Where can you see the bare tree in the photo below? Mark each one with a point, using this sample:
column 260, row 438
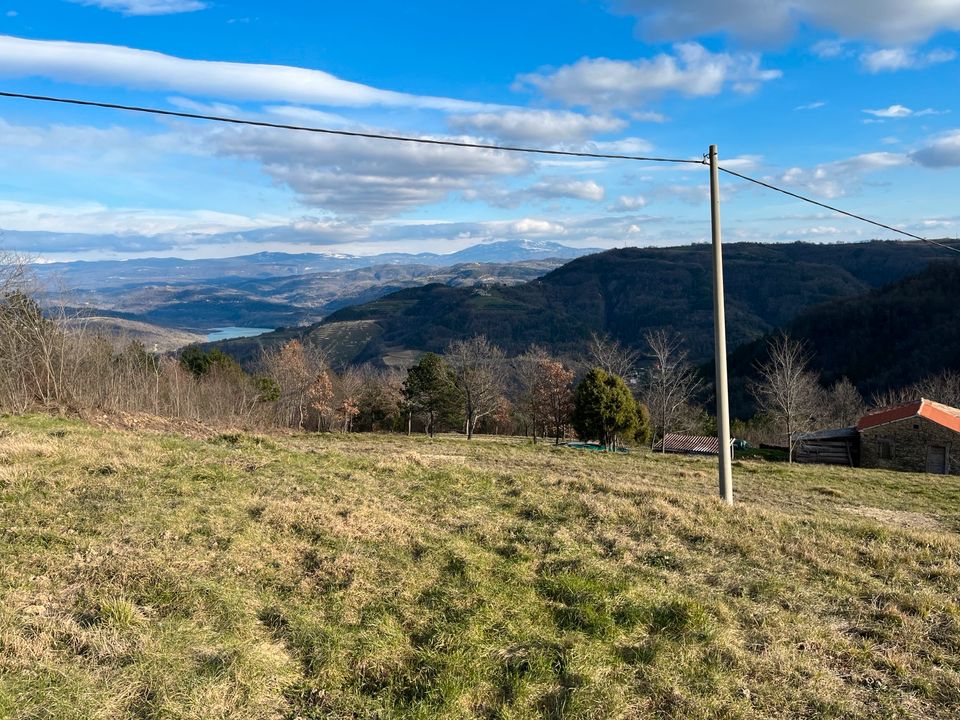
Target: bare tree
column 553, row 394
column 892, row 396
column 944, row 387
column 294, row 373
column 478, row 377
column 612, row 357
column 320, row 393
column 787, row 390
column 843, row 405
column 381, row 397
column 527, row 372
column 349, row 388
column 670, row 382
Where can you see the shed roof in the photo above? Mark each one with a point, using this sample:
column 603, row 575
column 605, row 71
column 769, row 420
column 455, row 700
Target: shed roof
column 847, row 433
column 936, row 412
column 674, row 442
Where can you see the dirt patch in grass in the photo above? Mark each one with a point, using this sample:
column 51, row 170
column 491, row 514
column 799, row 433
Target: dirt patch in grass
column 151, row 423
column 898, row 518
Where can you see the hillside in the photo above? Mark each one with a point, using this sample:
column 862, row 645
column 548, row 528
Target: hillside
column 288, row 299
column 628, row 291
column 155, row 338
column 885, row 338
column 158, row 575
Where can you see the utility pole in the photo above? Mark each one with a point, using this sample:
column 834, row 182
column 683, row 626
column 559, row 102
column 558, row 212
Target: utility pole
column 720, row 337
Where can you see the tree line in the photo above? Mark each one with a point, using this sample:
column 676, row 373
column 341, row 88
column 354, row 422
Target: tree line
column 50, row 361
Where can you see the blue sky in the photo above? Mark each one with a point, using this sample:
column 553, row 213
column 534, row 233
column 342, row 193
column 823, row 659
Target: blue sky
column 851, row 102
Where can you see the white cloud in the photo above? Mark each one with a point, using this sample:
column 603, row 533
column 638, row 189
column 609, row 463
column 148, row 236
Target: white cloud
column 648, row 116
column 551, row 187
column 692, row 71
column 532, row 226
column 816, row 105
column 558, row 187
column 901, row 111
column 92, row 64
column 91, row 150
column 202, row 108
column 623, row 146
column 357, row 176
column 629, row 203
column 540, row 126
column 837, row 178
column 742, row 162
column 830, row 49
column 814, row 231
column 98, row 219
column 900, row 58
column 887, row 21
column 294, row 113
column 943, row 151
column 146, row 7
column 693, row 194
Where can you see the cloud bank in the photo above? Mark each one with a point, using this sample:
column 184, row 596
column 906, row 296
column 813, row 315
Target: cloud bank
column 94, row 64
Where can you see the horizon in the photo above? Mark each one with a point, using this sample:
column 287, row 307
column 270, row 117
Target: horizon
column 43, row 261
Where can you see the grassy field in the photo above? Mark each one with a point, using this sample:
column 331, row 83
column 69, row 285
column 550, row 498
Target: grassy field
column 148, row 575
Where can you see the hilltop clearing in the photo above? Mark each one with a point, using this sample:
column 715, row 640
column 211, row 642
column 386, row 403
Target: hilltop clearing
column 314, row 576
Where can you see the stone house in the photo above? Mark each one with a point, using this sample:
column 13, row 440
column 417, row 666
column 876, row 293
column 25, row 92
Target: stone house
column 919, row 436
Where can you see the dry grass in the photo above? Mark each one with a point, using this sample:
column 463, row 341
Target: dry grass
column 148, row 575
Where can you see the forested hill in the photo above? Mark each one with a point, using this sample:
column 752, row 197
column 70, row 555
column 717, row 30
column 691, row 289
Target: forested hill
column 885, row 338
column 627, row 291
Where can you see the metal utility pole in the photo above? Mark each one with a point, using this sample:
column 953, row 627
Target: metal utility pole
column 720, row 336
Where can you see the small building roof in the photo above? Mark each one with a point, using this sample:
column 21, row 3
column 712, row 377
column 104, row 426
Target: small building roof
column 673, row 442
column 936, row 412
column 847, row 433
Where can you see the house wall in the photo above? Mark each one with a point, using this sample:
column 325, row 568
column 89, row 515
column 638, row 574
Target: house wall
column 909, row 440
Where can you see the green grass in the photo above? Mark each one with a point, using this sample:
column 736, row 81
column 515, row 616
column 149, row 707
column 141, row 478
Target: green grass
column 157, row 576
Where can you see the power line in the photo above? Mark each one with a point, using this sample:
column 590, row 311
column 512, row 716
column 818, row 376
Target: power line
column 838, row 210
column 458, row 144
column 345, row 133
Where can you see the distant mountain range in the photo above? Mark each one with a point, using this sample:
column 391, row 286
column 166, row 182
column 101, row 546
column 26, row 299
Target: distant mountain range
column 99, row 274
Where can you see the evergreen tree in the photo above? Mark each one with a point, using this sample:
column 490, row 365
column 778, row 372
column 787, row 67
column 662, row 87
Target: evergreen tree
column 604, row 408
column 200, row 362
column 429, row 389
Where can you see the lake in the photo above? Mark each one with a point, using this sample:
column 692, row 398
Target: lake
column 228, row 333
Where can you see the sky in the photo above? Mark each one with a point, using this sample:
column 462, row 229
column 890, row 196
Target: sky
column 855, row 103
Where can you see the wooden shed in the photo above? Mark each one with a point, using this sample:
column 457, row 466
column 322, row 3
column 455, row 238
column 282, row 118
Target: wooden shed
column 840, row 446
column 919, row 436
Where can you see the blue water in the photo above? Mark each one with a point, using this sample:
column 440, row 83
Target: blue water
column 228, row 333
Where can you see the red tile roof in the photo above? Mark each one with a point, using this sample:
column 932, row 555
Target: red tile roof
column 936, row 412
